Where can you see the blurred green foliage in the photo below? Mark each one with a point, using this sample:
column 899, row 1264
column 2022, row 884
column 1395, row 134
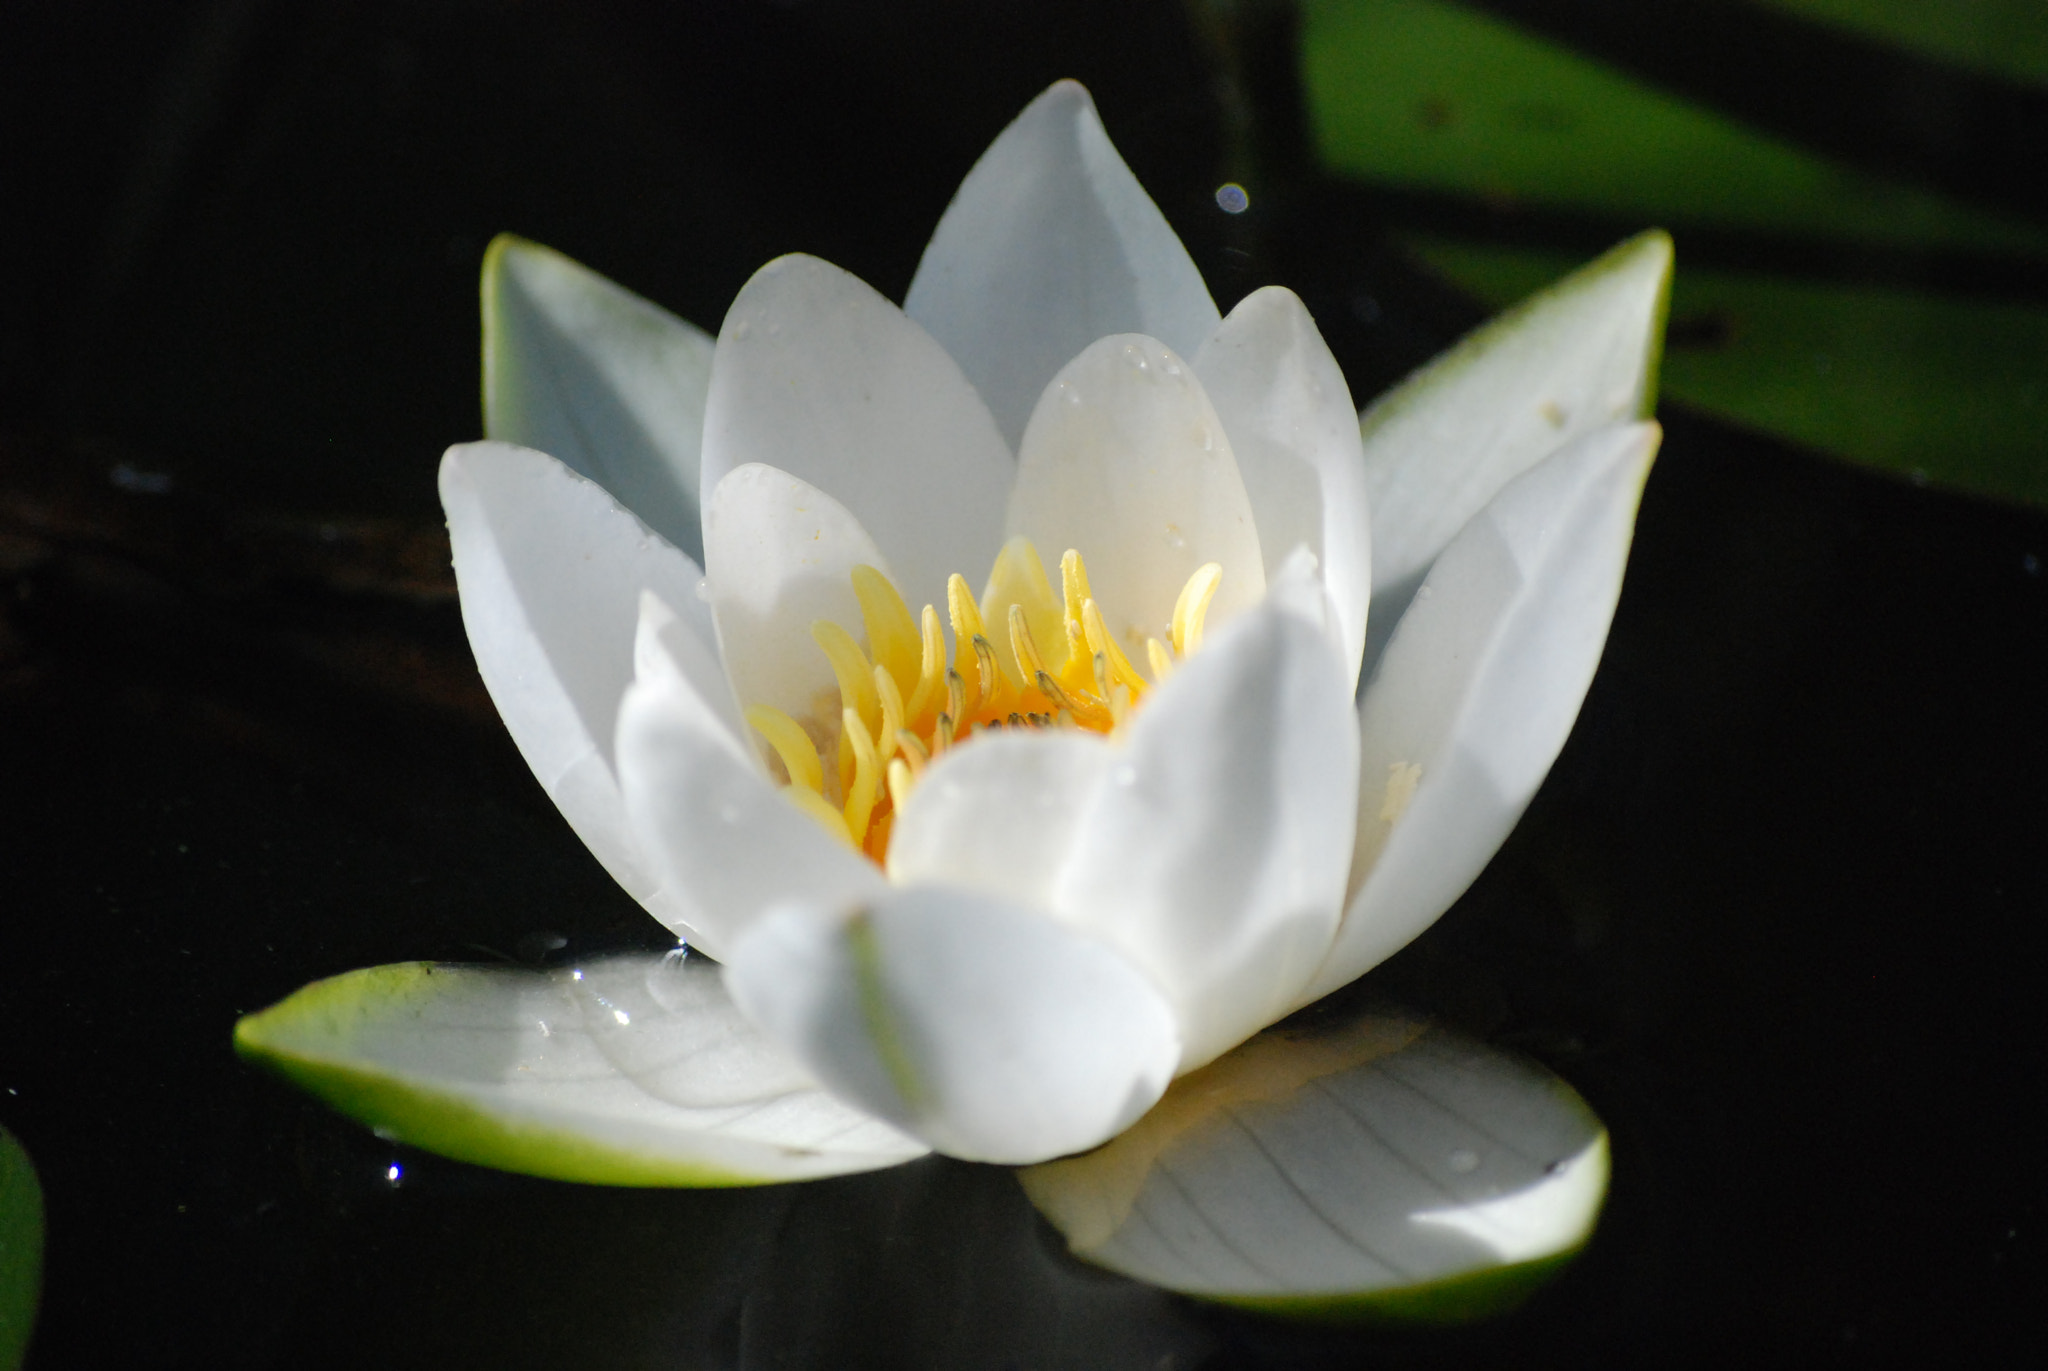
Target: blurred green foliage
column 2009, row 37
column 21, row 1249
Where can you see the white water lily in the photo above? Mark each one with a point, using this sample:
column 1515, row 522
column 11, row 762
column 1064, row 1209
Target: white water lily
column 987, row 878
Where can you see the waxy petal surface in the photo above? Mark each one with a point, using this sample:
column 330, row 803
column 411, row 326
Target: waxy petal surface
column 1479, row 687
column 1294, row 434
column 1569, row 360
column 590, row 373
column 1126, row 460
column 819, row 376
column 634, row 1071
column 1375, row 1166
column 990, row 1031
column 1049, row 244
column 1215, row 849
column 716, row 830
column 550, row 568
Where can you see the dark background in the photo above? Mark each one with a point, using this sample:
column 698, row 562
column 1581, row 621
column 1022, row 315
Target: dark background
column 1774, row 913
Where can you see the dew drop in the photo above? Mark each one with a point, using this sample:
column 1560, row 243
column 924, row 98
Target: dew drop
column 704, row 589
column 1135, row 356
column 1464, row 1159
column 1175, row 539
column 742, row 329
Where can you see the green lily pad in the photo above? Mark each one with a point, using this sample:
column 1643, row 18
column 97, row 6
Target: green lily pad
column 1372, row 1170
column 1926, row 386
column 21, row 1249
column 2006, row 37
column 631, row 1071
column 1429, row 95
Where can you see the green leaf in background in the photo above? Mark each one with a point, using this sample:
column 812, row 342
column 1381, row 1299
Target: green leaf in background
column 1429, row 95
column 21, row 1249
column 2006, row 37
column 1375, row 1170
column 1928, row 386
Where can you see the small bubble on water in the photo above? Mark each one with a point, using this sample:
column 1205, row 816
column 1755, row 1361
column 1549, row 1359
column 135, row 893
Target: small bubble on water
column 1464, row 1159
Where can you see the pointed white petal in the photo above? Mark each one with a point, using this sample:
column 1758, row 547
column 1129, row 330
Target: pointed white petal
column 638, row 1073
column 1479, row 687
column 1289, row 415
column 717, row 832
column 1126, row 461
column 1355, row 1170
column 992, row 1032
column 612, row 385
column 1578, row 356
column 820, row 377
column 1215, row 850
column 999, row 816
column 550, row 568
column 1049, row 244
column 781, row 555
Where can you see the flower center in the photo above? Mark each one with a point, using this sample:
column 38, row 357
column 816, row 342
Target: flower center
column 1050, row 663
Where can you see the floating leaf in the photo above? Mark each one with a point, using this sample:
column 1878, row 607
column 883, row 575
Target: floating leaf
column 1433, row 96
column 21, row 1249
column 1379, row 1169
column 632, row 1071
column 1927, row 386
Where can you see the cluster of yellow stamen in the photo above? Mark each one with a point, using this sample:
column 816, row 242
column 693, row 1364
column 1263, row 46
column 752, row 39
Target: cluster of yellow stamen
column 901, row 703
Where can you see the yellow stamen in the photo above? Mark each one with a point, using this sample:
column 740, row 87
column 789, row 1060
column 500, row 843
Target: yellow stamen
column 967, row 627
column 1017, row 581
column 892, row 633
column 850, row 666
column 1120, row 668
column 990, row 674
column 900, row 781
column 867, row 775
column 1160, row 658
column 914, row 751
column 943, row 735
column 892, row 713
column 794, row 746
column 1089, row 713
column 931, row 678
column 955, row 713
column 820, row 808
column 1192, row 606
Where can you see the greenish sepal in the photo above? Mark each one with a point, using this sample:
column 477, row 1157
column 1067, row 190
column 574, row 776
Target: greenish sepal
column 1455, row 1300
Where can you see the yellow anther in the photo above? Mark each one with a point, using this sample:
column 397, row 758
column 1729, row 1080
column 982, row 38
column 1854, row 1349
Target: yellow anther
column 1074, row 585
column 1119, row 704
column 892, row 713
column 900, row 781
column 967, row 627
column 1120, row 668
column 850, row 665
column 1192, row 606
column 867, row 776
column 942, row 734
column 931, row 677
column 1018, row 579
column 821, row 809
column 956, row 703
column 892, row 633
column 799, row 755
column 1090, row 713
column 1029, row 663
column 1160, row 658
column 914, row 750
column 990, row 674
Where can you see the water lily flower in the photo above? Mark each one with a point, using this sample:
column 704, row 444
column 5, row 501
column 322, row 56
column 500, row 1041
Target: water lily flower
column 976, row 684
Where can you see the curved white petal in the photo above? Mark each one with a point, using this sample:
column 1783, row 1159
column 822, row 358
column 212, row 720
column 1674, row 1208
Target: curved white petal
column 1571, row 359
column 633, row 1071
column 607, row 382
column 820, row 377
column 1049, row 244
column 999, row 816
column 717, row 832
column 1215, row 850
column 1294, row 433
column 1126, row 461
column 1479, row 687
column 1347, row 1167
column 781, row 553
column 991, row 1032
column 550, row 568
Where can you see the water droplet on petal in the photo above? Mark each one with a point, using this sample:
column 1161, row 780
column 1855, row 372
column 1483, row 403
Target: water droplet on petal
column 742, row 329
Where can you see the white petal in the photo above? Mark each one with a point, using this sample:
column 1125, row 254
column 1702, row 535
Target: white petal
column 1343, row 1168
column 550, row 568
column 1126, row 461
column 992, row 1032
column 819, row 376
column 636, row 1071
column 1479, row 687
column 781, row 553
column 1576, row 357
column 612, row 385
column 999, row 815
column 1289, row 415
column 1049, row 244
column 717, row 832
column 1215, row 850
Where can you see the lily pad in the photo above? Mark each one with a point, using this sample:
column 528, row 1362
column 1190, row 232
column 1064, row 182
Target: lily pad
column 631, row 1071
column 1376, row 1169
column 1927, row 386
column 21, row 1249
